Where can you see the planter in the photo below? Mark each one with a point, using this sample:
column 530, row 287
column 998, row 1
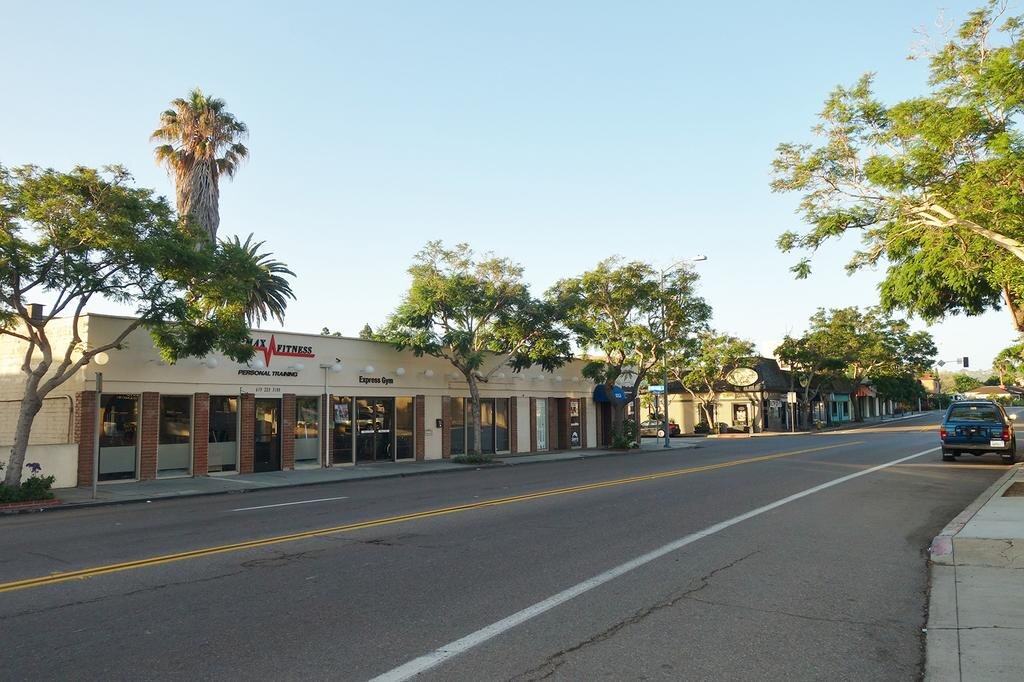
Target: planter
column 8, row 507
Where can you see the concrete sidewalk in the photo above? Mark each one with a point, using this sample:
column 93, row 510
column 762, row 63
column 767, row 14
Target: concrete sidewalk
column 976, row 605
column 141, row 491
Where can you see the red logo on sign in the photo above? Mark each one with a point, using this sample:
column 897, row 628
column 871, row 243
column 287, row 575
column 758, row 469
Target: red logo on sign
column 271, row 349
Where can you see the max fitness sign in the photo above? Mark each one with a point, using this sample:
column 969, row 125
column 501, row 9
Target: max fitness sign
column 268, row 350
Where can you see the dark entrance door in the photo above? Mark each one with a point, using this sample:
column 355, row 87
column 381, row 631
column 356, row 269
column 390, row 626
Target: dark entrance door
column 266, row 453
column 375, row 438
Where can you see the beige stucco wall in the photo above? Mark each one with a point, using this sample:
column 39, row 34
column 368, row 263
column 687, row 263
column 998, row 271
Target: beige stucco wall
column 432, row 434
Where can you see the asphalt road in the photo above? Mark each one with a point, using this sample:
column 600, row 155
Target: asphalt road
column 830, row 584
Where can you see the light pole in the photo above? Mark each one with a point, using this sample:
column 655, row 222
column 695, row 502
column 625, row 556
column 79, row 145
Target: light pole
column 664, row 334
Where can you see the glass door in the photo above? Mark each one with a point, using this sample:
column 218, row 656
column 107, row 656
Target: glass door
column 375, row 436
column 266, row 455
column 341, row 419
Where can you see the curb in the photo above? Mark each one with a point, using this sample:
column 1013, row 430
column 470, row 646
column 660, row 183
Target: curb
column 941, row 549
column 458, row 468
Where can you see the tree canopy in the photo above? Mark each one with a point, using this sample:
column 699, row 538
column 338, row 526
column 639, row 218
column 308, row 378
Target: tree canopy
column 630, row 316
column 932, row 183
column 477, row 313
column 77, row 237
column 703, row 371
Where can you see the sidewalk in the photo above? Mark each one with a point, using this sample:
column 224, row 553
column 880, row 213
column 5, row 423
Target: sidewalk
column 976, row 604
column 142, row 491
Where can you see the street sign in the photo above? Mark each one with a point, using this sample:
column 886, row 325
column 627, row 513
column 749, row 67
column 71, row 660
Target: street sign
column 657, row 388
column 791, row 397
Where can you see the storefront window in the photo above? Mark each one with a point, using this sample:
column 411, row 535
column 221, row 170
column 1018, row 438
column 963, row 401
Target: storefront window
column 174, row 451
column 458, row 426
column 542, row 423
column 501, row 424
column 223, row 452
column 119, row 416
column 404, row 427
column 307, row 430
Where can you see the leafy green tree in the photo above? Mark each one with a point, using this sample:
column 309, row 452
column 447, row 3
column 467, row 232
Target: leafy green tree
column 702, row 372
column 631, row 317
column 366, row 333
column 202, row 142
column 78, row 237
column 993, row 380
column 812, row 359
column 327, row 332
column 904, row 389
column 932, row 183
column 1009, row 364
column 965, row 382
column 873, row 344
column 476, row 313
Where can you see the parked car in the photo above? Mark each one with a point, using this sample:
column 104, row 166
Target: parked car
column 977, row 427
column 656, row 427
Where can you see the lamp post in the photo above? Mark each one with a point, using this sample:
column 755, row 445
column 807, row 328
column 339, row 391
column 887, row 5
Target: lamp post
column 664, row 333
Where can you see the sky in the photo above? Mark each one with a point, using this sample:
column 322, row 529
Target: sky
column 553, row 133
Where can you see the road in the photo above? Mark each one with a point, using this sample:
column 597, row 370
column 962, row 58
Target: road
column 761, row 558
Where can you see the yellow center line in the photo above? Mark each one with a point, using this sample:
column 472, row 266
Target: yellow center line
column 84, row 573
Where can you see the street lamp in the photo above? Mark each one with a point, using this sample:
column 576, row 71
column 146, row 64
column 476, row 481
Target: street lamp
column 664, row 330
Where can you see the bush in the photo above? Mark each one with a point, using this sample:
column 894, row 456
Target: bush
column 35, row 487
column 473, row 459
column 626, row 438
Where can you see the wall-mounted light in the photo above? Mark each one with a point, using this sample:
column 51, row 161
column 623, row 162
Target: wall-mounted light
column 428, row 373
column 209, row 363
column 558, row 379
column 297, row 367
column 101, row 358
column 576, row 380
column 400, row 371
column 335, row 368
column 501, row 375
column 457, row 375
column 257, row 363
column 368, row 369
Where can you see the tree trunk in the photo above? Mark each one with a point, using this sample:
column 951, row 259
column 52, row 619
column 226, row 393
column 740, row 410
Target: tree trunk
column 474, row 410
column 1013, row 305
column 31, row 403
column 854, row 407
column 810, row 406
column 618, row 419
column 705, row 407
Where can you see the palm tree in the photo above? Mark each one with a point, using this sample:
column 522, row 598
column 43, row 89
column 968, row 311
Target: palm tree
column 262, row 277
column 203, row 142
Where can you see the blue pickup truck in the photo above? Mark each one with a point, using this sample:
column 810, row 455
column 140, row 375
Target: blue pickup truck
column 976, row 427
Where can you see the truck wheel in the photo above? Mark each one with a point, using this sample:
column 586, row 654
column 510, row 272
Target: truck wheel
column 661, row 433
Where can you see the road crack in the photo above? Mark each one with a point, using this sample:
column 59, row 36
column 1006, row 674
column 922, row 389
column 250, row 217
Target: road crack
column 106, row 597
column 556, row 660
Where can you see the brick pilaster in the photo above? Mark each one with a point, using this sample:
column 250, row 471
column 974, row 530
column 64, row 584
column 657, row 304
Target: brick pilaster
column 446, row 426
column 419, row 436
column 513, row 424
column 533, row 425
column 288, row 432
column 200, row 434
column 150, row 435
column 85, row 434
column 583, row 422
column 247, row 413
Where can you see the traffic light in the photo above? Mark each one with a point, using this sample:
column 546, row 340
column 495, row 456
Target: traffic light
column 966, row 363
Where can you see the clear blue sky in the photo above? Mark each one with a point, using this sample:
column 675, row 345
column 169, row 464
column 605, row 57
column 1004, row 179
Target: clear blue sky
column 554, row 133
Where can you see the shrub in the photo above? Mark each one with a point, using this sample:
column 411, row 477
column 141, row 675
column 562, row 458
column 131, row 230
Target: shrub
column 35, row 487
column 626, row 438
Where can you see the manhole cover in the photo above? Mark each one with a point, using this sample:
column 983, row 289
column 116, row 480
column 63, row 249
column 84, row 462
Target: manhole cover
column 1015, row 490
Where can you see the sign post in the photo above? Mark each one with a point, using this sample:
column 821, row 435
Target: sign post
column 791, row 399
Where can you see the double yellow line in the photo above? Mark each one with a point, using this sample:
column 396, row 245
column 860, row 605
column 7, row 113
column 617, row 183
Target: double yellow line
column 291, row 537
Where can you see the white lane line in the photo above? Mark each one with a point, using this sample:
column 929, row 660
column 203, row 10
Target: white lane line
column 460, row 646
column 286, row 504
